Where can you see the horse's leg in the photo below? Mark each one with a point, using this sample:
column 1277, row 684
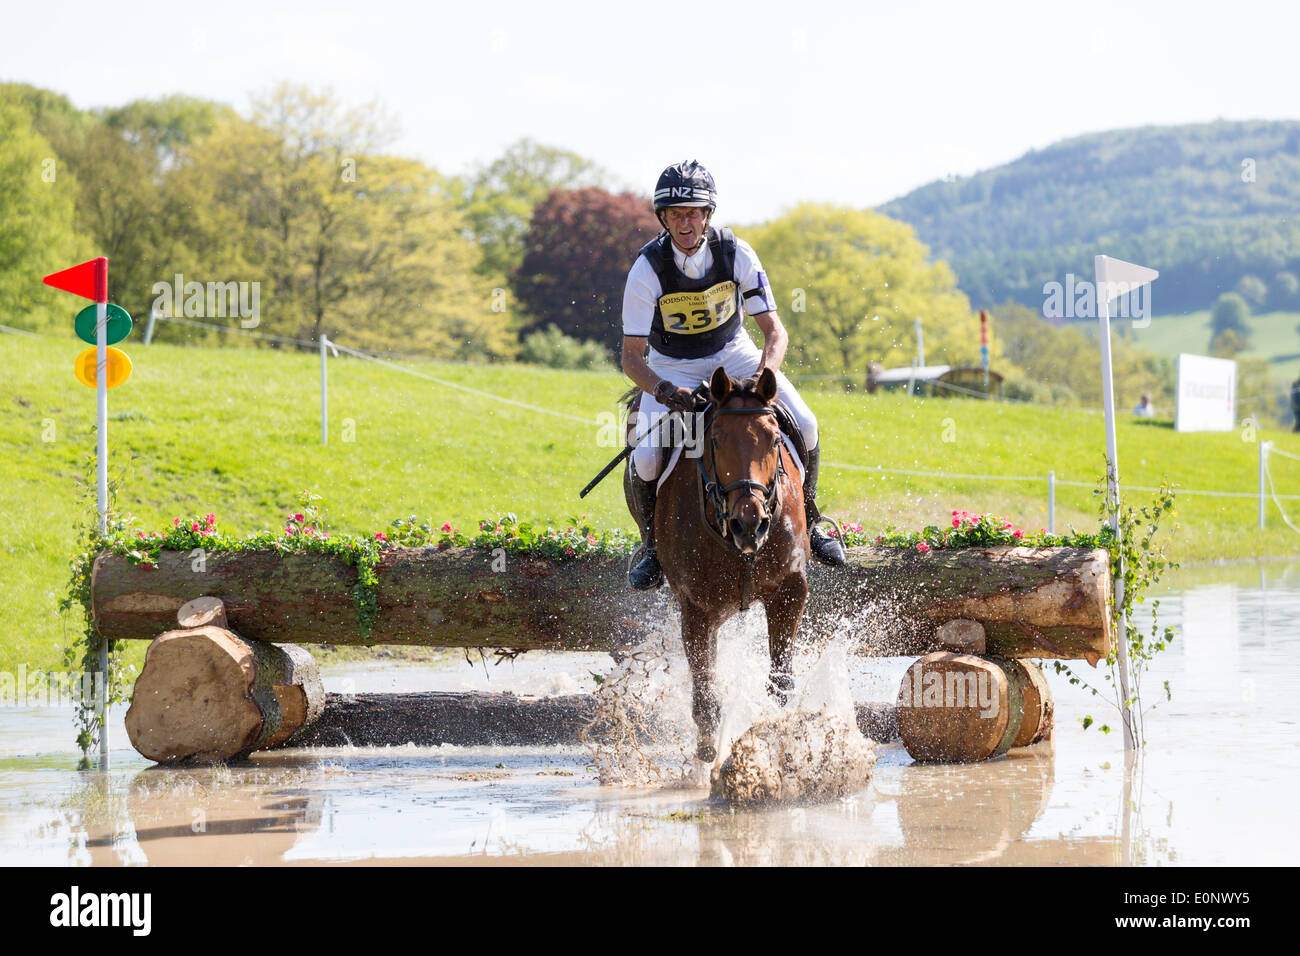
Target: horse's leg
column 784, row 608
column 700, row 641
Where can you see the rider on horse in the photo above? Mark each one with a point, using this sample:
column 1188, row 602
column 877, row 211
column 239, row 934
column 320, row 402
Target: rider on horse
column 683, row 299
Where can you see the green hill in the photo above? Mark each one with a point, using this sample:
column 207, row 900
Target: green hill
column 1206, row 204
column 237, row 432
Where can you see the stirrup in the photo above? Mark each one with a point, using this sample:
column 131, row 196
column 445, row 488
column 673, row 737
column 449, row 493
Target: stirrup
column 643, row 570
column 825, row 548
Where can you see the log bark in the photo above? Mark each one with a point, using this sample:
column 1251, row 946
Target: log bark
column 433, row 718
column 1048, row 602
column 206, row 695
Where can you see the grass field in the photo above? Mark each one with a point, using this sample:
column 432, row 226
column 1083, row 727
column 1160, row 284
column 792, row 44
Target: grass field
column 1273, row 336
column 237, row 432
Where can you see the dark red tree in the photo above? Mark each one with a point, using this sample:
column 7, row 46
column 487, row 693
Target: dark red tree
column 578, row 250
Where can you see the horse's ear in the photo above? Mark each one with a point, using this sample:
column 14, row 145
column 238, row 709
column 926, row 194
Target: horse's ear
column 720, row 385
column 767, row 386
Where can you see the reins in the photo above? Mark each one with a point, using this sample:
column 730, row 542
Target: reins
column 717, row 494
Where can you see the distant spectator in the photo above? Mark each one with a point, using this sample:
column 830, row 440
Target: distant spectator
column 1295, row 404
column 1144, row 407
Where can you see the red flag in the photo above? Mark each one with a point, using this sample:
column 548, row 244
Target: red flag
column 88, row 280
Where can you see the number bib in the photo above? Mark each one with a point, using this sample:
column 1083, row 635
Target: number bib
column 690, row 313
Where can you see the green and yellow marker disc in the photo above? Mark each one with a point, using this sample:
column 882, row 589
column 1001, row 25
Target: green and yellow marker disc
column 119, row 324
column 119, row 367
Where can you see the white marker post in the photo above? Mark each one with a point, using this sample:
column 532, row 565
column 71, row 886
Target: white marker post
column 90, row 281
column 101, row 464
column 324, row 395
column 1116, row 277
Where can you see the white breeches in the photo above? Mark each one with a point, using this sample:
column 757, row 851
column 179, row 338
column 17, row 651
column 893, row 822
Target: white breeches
column 740, row 357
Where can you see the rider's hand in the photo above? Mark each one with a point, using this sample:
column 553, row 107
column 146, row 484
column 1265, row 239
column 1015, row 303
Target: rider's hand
column 674, row 397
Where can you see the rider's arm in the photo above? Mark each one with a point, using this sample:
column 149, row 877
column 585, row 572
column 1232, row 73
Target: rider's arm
column 634, row 366
column 775, row 340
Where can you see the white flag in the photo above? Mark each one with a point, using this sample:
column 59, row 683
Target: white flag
column 1115, row 277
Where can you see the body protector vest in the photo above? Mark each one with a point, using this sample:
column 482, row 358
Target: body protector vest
column 694, row 317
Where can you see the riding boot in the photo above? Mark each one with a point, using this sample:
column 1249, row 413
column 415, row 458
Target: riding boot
column 826, row 549
column 646, row 574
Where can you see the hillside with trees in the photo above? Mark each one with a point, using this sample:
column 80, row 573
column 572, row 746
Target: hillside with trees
column 1212, row 206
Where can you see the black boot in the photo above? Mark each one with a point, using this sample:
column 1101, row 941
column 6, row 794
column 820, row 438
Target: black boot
column 645, row 575
column 826, row 549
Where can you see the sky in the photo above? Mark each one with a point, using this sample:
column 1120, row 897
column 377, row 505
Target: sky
column 846, row 103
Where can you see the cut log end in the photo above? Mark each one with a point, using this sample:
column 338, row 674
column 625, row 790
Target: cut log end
column 202, row 611
column 207, row 695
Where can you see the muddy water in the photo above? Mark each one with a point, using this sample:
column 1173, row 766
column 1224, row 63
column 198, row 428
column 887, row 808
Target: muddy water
column 1214, row 786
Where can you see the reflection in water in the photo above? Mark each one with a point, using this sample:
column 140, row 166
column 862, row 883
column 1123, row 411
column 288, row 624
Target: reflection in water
column 1211, row 788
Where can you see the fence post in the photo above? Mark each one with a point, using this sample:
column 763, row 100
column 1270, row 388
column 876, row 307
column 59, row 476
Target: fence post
column 1263, row 458
column 324, row 395
column 1051, row 502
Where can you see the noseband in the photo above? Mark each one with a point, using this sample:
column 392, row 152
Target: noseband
column 717, row 494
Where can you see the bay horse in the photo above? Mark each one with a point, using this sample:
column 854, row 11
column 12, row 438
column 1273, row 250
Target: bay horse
column 730, row 530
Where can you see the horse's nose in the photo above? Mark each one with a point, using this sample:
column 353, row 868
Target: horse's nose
column 750, row 533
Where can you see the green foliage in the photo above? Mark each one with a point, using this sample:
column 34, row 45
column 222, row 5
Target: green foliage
column 1182, row 199
column 37, row 225
column 1230, row 312
column 502, row 196
column 554, row 349
column 1060, row 364
column 1139, row 557
column 856, row 281
column 579, row 247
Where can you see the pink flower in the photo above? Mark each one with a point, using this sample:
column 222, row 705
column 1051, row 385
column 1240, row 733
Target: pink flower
column 380, row 536
column 923, row 547
column 446, row 526
column 569, row 551
column 1018, row 534
column 298, row 518
column 956, row 522
column 146, row 565
column 880, row 541
column 176, row 522
column 194, row 526
column 210, row 518
column 591, row 539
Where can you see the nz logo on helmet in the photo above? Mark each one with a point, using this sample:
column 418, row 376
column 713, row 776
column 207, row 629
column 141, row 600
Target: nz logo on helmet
column 682, row 192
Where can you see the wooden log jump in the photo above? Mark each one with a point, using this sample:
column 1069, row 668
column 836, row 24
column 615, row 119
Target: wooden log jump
column 1030, row 602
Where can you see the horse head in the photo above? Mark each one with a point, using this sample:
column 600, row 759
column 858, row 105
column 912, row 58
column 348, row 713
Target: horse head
column 743, row 448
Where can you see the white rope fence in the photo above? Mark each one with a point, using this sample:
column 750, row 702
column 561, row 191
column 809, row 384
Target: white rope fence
column 1051, row 479
column 1266, row 451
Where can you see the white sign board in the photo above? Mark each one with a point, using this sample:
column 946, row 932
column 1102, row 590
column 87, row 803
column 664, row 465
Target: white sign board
column 1207, row 394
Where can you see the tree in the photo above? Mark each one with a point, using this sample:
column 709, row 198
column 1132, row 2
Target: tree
column 579, row 248
column 37, row 234
column 1227, row 344
column 856, row 282
column 1252, row 289
column 1284, row 290
column 343, row 240
column 1230, row 312
column 503, row 195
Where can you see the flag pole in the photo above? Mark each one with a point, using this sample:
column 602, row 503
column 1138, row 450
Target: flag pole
column 101, row 464
column 1112, row 492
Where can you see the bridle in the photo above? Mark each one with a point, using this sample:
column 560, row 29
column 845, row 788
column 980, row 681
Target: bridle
column 717, row 494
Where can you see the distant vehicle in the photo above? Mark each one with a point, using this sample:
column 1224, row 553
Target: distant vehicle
column 936, row 380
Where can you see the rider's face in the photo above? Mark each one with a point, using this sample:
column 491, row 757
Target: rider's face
column 686, row 225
